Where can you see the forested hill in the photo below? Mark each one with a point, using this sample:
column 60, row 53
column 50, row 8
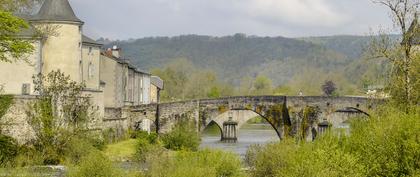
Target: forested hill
column 238, row 56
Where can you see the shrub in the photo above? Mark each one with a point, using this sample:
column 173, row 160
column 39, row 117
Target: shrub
column 8, row 150
column 95, row 164
column 387, row 144
column 5, row 102
column 147, row 146
column 182, row 137
column 251, row 154
column 205, row 163
column 77, row 149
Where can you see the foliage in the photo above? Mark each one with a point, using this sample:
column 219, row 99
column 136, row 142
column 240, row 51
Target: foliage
column 387, row 144
column 5, row 103
column 121, row 151
column 237, row 63
column 329, row 88
column 402, row 55
column 20, row 6
column 8, row 150
column 11, row 45
column 148, row 146
column 262, row 86
column 58, row 116
column 251, row 154
column 95, row 165
column 182, row 137
column 205, row 163
column 183, row 81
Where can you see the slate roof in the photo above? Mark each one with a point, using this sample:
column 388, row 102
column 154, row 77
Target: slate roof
column 56, row 10
column 157, row 81
column 88, row 40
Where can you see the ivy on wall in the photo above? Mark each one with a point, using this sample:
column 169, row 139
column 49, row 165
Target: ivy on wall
column 5, row 103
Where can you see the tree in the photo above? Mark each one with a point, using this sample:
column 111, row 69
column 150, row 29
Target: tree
column 403, row 82
column 263, row 86
column 61, row 113
column 329, row 88
column 19, row 6
column 10, row 44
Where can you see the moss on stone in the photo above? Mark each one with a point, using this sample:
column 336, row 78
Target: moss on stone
column 248, row 107
column 5, row 103
column 276, row 117
column 309, row 115
column 223, row 109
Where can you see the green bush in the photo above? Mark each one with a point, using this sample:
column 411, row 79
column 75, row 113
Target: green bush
column 251, row 154
column 5, row 102
column 8, row 150
column 388, row 144
column 182, row 137
column 205, row 163
column 95, row 164
column 384, row 145
column 148, row 145
column 78, row 148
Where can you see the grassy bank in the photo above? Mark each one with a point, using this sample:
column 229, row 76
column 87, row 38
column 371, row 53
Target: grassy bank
column 121, row 151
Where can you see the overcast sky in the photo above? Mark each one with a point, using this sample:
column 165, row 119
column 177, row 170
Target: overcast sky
column 123, row 19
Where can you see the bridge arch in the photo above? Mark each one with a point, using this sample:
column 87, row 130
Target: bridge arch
column 241, row 116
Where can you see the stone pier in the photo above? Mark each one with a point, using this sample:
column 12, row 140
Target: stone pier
column 229, row 131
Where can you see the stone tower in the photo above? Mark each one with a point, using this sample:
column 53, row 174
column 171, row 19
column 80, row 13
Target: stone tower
column 63, row 38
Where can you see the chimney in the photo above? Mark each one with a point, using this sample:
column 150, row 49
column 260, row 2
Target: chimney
column 116, row 52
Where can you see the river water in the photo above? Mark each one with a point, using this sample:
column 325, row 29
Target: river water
column 248, row 134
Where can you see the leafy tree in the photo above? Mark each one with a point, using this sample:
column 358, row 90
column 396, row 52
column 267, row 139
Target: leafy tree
column 214, row 93
column 19, row 6
column 10, row 44
column 184, row 80
column 263, row 86
column 329, row 88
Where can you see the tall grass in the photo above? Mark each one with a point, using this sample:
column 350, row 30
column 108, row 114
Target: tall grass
column 203, row 163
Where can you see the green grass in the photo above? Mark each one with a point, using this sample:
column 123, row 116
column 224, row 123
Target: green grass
column 121, row 151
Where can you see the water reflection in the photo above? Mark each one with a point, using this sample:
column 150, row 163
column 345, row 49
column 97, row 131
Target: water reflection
column 248, row 134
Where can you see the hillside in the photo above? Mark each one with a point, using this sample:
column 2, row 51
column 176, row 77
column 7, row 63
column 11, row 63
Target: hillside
column 283, row 60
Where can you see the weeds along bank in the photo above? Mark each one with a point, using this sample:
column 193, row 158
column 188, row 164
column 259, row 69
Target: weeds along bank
column 387, row 144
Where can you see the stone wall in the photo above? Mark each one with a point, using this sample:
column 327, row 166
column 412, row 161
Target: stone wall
column 15, row 121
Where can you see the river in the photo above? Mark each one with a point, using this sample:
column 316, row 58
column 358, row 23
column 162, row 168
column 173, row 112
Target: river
column 248, row 134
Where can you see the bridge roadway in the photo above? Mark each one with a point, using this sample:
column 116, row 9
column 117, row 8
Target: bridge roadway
column 289, row 115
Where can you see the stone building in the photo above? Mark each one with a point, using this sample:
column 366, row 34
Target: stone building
column 155, row 87
column 111, row 80
column 125, row 85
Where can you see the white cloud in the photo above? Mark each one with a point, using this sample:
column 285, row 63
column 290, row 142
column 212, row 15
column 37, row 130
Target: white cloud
column 296, row 12
column 140, row 18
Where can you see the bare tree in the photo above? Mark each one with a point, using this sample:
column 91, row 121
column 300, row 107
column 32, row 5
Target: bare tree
column 401, row 55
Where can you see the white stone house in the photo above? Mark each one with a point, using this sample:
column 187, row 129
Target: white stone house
column 111, row 81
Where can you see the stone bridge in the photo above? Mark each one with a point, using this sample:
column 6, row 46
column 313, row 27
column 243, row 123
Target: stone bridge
column 301, row 116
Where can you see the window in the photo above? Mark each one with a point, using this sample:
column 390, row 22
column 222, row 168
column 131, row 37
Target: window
column 91, row 70
column 90, row 50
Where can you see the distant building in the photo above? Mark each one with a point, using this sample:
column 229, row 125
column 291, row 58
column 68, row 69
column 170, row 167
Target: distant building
column 155, row 87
